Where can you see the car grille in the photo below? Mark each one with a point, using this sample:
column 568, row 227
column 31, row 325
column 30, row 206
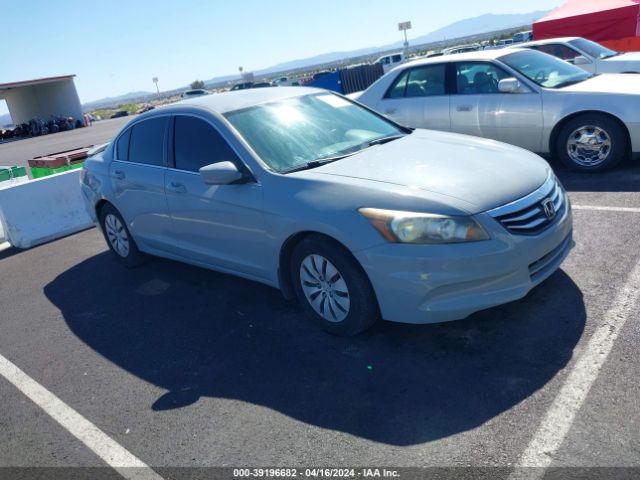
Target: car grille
column 533, row 213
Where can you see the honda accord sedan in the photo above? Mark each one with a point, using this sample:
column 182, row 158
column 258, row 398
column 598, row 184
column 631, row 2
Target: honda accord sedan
column 356, row 216
column 519, row 96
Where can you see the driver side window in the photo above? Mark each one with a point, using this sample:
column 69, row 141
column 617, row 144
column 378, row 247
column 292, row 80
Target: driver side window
column 473, row 78
column 197, row 144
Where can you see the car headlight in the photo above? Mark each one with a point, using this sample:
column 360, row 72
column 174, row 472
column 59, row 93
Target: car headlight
column 424, row 228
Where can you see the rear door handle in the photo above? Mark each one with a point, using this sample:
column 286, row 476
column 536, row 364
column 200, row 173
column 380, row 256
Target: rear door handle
column 119, row 174
column 177, row 187
column 464, row 108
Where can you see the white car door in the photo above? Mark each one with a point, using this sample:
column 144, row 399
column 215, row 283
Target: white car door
column 418, row 98
column 478, row 108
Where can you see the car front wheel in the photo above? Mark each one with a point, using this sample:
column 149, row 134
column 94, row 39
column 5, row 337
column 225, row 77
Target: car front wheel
column 591, row 143
column 332, row 288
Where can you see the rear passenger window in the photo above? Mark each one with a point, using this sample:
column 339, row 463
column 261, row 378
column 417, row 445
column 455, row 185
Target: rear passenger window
column 558, row 50
column 424, row 81
column 122, row 148
column 147, row 141
column 399, row 86
column 198, row 144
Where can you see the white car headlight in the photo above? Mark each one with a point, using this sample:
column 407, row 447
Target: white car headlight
column 424, row 228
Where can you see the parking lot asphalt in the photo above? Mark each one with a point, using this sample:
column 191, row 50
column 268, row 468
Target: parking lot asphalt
column 19, row 152
column 186, row 367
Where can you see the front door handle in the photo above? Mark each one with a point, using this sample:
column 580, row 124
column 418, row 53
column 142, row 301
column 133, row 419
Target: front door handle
column 390, row 111
column 119, row 174
column 177, row 187
column 464, row 108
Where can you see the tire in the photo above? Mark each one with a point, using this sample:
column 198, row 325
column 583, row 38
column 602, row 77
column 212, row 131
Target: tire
column 609, row 149
column 118, row 238
column 323, row 269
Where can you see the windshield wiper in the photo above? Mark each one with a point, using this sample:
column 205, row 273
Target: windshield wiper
column 383, row 140
column 315, row 163
column 567, row 83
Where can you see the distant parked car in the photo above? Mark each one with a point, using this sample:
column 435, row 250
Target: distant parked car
column 242, row 86
column 517, row 96
column 261, row 85
column 590, row 56
column 198, row 92
column 525, row 36
column 356, row 216
column 460, row 49
column 118, row 114
column 391, row 61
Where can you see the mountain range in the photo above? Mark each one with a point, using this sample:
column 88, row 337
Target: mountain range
column 463, row 28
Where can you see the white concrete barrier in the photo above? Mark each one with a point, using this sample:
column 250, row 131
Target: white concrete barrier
column 44, row 209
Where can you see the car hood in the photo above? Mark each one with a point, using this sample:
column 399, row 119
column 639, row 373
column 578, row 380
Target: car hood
column 633, row 57
column 482, row 173
column 624, row 83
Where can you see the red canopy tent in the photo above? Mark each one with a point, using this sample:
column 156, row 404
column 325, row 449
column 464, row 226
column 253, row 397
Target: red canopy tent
column 602, row 21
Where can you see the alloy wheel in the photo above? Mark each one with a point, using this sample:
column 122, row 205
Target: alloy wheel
column 324, row 288
column 589, row 146
column 117, row 235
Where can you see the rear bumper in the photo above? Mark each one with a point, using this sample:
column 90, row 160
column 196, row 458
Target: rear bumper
column 438, row 283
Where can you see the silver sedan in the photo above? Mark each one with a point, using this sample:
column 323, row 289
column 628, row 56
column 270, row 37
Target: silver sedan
column 522, row 97
column 356, row 216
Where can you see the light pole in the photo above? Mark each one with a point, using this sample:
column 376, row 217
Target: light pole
column 403, row 27
column 240, row 69
column 155, row 80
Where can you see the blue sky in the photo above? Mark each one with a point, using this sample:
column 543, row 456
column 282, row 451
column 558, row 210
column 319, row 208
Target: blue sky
column 117, row 46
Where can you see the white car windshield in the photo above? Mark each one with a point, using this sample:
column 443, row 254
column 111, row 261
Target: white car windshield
column 309, row 130
column 594, row 49
column 545, row 70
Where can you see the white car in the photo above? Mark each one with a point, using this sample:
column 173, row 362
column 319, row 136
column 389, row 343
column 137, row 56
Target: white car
column 517, row 96
column 390, row 61
column 588, row 55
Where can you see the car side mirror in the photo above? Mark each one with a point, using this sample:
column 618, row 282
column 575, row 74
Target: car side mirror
column 221, row 173
column 581, row 60
column 511, row 85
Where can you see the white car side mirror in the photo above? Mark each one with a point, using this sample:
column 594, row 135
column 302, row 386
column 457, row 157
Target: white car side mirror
column 581, row 60
column 511, row 85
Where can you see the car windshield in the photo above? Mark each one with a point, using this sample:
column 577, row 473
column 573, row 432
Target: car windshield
column 545, row 70
column 592, row 48
column 291, row 133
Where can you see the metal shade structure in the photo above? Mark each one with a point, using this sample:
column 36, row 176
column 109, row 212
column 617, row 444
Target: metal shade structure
column 42, row 98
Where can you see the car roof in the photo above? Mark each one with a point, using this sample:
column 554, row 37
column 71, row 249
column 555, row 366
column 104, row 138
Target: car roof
column 237, row 100
column 467, row 56
column 547, row 41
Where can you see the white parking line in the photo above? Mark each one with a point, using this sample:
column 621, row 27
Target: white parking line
column 116, row 456
column 560, row 416
column 606, row 209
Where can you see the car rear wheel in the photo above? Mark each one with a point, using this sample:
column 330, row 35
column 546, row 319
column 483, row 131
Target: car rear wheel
column 117, row 235
column 591, row 143
column 332, row 288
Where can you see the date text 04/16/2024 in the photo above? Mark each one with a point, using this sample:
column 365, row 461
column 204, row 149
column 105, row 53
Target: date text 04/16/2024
column 315, row 473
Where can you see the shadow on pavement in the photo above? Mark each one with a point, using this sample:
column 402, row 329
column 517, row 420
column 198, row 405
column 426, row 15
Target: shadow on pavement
column 623, row 178
column 198, row 333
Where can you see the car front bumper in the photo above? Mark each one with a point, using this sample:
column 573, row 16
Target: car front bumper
column 439, row 283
